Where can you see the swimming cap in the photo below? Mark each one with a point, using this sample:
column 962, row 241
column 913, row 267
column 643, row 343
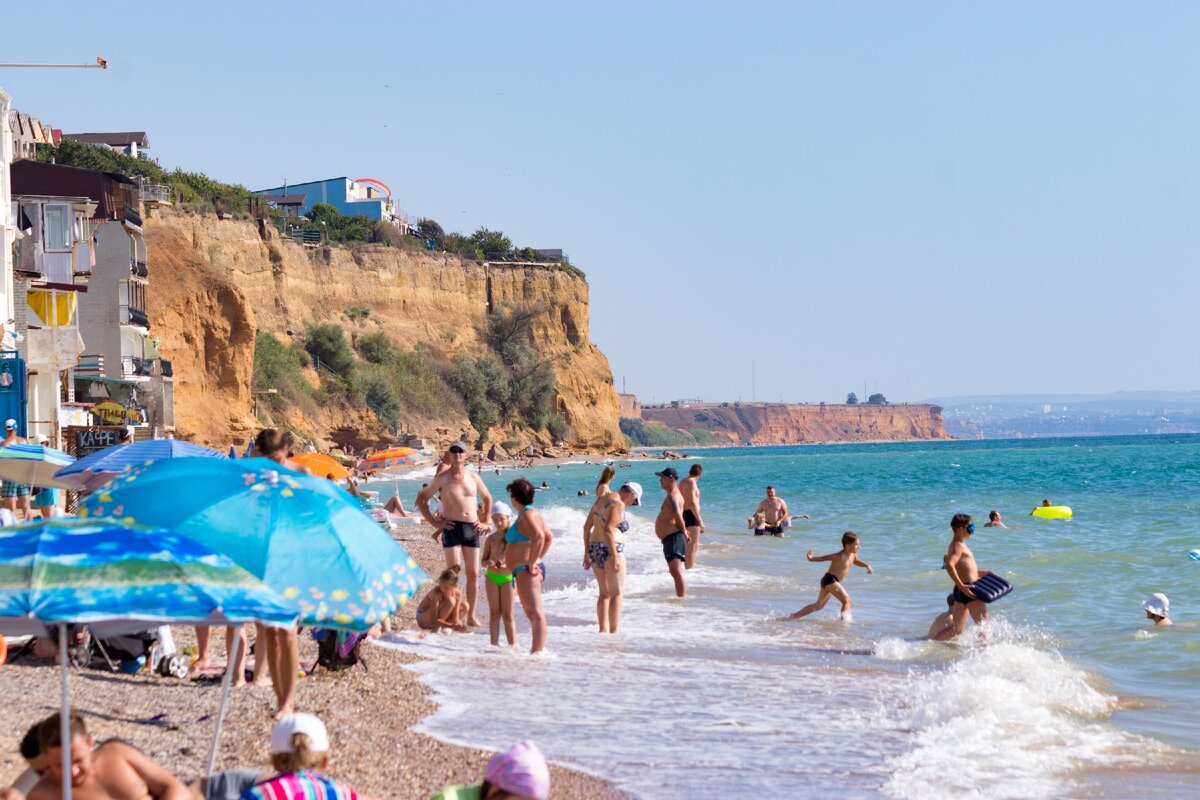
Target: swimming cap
column 522, row 770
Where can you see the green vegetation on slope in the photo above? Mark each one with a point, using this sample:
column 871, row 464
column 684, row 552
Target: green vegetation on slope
column 654, row 434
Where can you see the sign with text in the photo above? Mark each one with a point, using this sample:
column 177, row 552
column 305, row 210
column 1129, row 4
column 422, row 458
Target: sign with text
column 85, row 440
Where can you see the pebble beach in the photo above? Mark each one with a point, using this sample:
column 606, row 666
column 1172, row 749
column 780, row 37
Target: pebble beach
column 370, row 713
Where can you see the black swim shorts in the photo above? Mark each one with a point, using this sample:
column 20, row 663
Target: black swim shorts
column 959, row 597
column 827, row 579
column 775, row 530
column 689, row 519
column 674, row 547
column 462, row 534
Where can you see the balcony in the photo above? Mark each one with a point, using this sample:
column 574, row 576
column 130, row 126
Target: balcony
column 132, row 366
column 165, row 369
column 132, row 217
column 134, row 316
column 155, row 193
column 138, row 268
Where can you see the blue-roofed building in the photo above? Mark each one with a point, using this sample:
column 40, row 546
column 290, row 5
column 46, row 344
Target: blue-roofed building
column 366, row 196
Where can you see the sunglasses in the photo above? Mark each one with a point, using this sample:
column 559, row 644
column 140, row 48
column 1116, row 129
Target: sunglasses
column 457, row 450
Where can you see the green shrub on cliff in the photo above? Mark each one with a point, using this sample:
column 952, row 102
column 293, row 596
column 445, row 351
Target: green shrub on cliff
column 329, row 349
column 278, row 366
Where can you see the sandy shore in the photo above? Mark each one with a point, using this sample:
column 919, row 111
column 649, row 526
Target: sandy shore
column 370, row 714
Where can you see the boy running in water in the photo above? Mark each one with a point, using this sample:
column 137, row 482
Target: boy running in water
column 831, row 583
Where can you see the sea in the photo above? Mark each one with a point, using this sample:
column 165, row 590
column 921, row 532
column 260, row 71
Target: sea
column 1068, row 691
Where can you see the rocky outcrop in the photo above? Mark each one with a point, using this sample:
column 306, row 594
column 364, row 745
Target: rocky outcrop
column 630, row 407
column 215, row 283
column 779, row 423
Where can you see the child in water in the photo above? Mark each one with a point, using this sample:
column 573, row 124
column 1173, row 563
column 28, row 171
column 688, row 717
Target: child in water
column 758, row 522
column 498, row 577
column 444, row 606
column 831, row 583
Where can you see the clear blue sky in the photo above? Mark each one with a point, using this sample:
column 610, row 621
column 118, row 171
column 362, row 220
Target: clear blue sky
column 934, row 198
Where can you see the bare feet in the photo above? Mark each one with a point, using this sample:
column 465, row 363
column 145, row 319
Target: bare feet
column 284, row 710
column 200, row 664
column 473, row 623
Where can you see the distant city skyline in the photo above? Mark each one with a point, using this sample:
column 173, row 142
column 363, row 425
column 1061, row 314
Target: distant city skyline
column 936, row 198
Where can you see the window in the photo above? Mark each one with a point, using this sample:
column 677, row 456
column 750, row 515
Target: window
column 57, row 235
column 137, row 295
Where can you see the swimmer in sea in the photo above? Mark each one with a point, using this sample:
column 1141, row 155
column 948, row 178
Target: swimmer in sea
column 994, row 520
column 942, row 622
column 671, row 529
column 758, row 523
column 961, row 567
column 689, row 489
column 1158, row 609
column 775, row 510
column 831, row 584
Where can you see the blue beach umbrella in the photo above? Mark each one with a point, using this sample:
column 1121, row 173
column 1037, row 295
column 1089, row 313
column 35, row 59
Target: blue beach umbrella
column 93, row 471
column 101, row 571
column 33, row 464
column 304, row 537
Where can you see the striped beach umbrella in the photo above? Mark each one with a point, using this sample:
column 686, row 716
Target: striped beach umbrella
column 392, row 457
column 33, row 464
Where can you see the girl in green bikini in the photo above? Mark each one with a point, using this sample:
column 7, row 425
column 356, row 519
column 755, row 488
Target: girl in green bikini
column 498, row 577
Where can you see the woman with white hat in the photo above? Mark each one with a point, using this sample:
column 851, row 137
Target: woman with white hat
column 1158, row 608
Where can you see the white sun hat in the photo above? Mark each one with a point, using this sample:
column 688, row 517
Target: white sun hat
column 1158, row 605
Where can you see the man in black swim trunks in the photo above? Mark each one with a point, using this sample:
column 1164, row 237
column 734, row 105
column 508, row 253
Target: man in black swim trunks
column 458, row 524
column 689, row 488
column 774, row 510
column 671, row 528
column 960, row 565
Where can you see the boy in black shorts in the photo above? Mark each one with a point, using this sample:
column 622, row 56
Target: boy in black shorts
column 831, row 583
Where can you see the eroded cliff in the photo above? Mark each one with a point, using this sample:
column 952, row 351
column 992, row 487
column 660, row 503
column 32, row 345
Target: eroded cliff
column 215, row 283
column 777, row 423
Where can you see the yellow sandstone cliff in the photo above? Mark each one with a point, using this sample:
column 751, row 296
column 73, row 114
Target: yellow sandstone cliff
column 782, row 423
column 215, row 283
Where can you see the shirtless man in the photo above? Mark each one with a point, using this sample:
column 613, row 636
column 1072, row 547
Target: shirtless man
column 671, row 528
column 689, row 489
column 960, row 566
column 113, row 771
column 775, row 511
column 464, row 499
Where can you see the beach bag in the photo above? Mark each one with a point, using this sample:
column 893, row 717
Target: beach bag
column 991, row 588
column 338, row 650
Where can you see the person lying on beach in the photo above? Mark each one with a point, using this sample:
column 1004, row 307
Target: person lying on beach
column 300, row 753
column 396, row 507
column 1158, row 609
column 994, row 520
column 443, row 607
column 518, row 773
column 498, row 579
column 831, row 582
column 112, row 771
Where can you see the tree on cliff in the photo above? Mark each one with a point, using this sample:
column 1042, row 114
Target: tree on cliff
column 511, row 325
column 431, row 230
column 852, row 399
column 877, row 400
column 492, row 244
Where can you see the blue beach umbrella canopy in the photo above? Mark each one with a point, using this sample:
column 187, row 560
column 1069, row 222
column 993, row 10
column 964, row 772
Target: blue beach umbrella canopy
column 33, row 464
column 105, row 571
column 96, row 469
column 304, row 537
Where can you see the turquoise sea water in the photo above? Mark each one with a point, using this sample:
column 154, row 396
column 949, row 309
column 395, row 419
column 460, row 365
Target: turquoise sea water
column 1073, row 694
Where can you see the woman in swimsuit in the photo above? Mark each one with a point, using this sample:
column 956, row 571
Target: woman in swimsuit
column 591, row 523
column 606, row 555
column 526, row 543
column 443, row 607
column 499, row 579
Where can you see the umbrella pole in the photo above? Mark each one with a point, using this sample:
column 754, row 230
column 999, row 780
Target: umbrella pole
column 226, row 682
column 64, row 716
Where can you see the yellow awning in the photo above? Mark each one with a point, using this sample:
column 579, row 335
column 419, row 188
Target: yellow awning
column 51, row 307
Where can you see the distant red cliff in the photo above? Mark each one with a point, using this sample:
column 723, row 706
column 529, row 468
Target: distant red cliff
column 779, row 423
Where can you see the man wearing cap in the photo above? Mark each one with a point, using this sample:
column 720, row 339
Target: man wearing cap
column 671, row 528
column 10, row 491
column 459, row 526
